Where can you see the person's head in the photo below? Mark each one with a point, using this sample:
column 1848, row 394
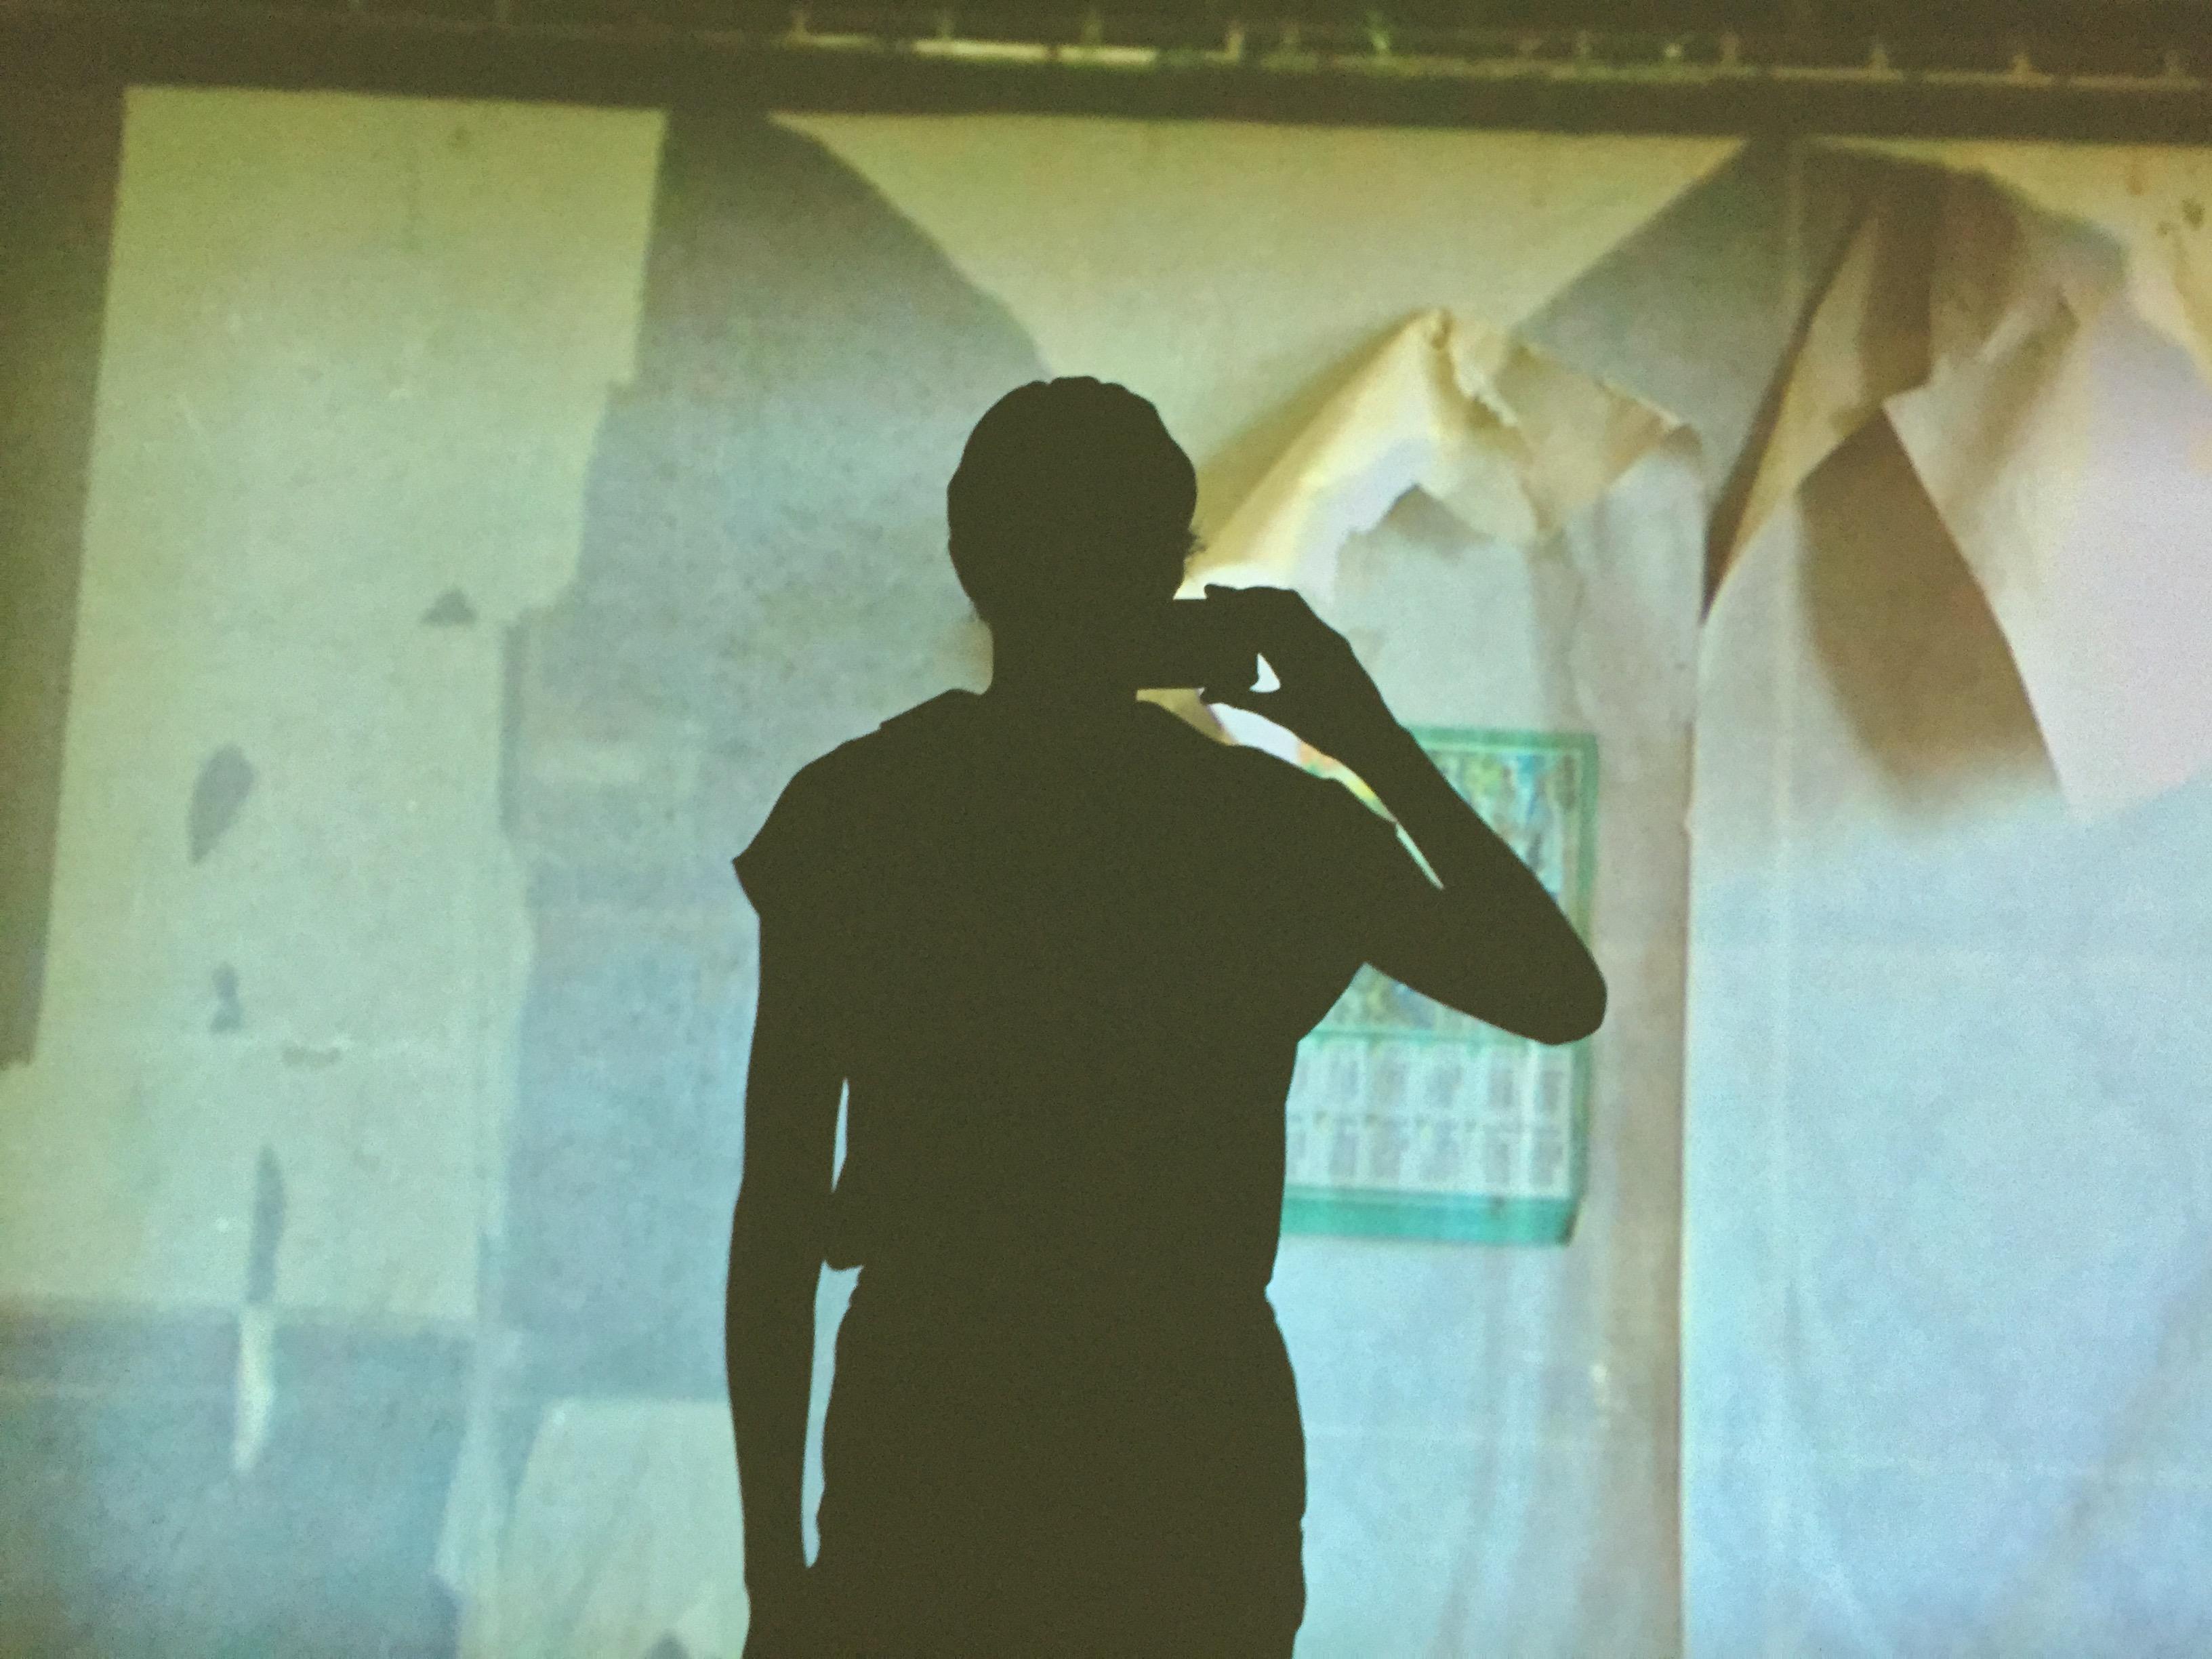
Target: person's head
column 1070, row 510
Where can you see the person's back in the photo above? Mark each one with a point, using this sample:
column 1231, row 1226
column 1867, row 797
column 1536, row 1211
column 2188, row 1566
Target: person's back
column 1061, row 947
column 1075, row 970
column 1076, row 966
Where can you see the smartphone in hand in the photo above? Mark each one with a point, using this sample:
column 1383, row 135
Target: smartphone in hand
column 1195, row 645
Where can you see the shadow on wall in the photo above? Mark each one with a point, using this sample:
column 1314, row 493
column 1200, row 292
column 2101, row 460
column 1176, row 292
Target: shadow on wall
column 1830, row 194
column 763, row 576
column 58, row 154
column 1687, row 311
column 1907, row 640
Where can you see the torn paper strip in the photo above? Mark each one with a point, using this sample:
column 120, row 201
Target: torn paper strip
column 2052, row 428
column 1511, row 442
column 2153, row 201
column 1553, row 686
column 1867, row 340
column 1507, row 437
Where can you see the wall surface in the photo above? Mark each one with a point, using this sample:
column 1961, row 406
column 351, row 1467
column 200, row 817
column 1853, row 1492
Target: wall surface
column 1946, row 1332
column 488, row 508
column 338, row 446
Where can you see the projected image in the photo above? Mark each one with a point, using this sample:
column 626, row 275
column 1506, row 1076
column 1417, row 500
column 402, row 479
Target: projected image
column 1409, row 1117
column 434, row 530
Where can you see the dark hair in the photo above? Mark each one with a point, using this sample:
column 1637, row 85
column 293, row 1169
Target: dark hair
column 1067, row 484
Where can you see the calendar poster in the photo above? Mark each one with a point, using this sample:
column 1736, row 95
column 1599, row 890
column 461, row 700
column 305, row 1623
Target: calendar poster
column 1410, row 1119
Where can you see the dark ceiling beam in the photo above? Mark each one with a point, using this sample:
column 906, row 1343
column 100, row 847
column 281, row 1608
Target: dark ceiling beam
column 2014, row 85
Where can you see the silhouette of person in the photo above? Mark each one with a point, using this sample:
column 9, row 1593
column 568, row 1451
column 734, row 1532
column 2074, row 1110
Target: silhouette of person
column 1058, row 947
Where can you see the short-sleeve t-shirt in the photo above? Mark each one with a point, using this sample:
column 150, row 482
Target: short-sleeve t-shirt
column 1070, row 974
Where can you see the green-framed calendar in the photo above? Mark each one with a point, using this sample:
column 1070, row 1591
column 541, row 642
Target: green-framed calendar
column 1407, row 1119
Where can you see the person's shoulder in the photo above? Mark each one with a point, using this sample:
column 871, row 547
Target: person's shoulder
column 820, row 777
column 1297, row 792
column 1265, row 770
column 820, row 784
column 860, row 765
column 1211, row 750
column 931, row 718
column 902, row 739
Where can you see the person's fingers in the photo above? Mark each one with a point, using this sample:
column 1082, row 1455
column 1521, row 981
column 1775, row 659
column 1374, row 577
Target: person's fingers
column 1258, row 600
column 1257, row 597
column 1252, row 702
column 1271, row 625
column 1280, row 613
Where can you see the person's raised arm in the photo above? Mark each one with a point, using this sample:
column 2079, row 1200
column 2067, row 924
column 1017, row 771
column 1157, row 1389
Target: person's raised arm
column 792, row 1086
column 1490, row 942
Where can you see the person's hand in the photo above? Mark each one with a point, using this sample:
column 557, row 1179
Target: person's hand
column 1323, row 695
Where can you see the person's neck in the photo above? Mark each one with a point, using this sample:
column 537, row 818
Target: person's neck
column 1050, row 687
column 1061, row 701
